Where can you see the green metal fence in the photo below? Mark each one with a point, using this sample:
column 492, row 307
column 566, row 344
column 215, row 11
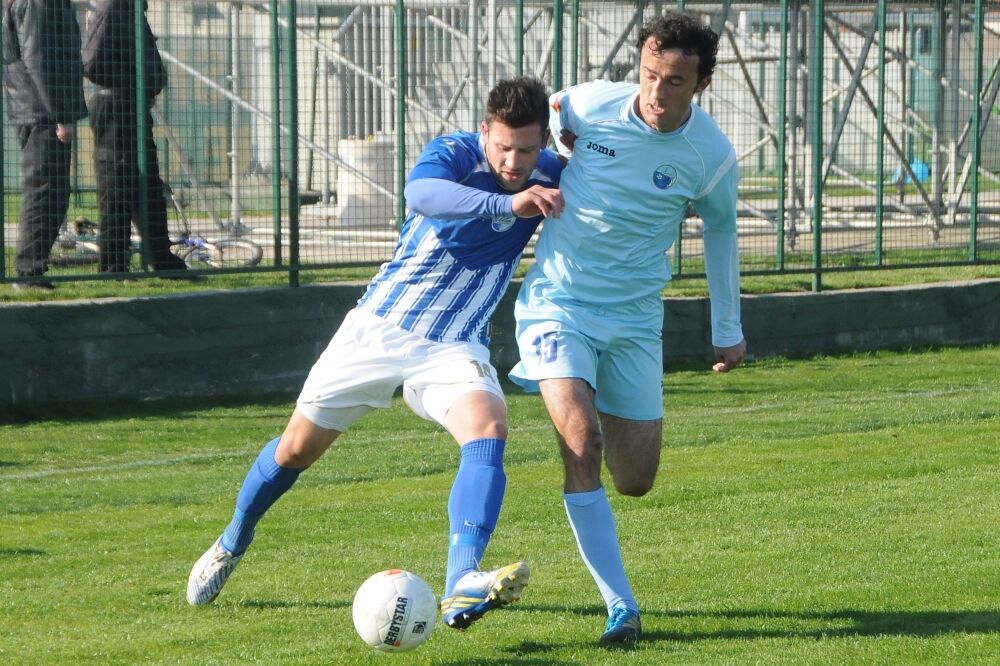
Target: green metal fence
column 866, row 131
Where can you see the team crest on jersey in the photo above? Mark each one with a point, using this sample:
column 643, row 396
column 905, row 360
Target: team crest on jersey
column 664, row 176
column 502, row 224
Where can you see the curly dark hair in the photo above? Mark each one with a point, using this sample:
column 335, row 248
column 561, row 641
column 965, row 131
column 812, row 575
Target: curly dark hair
column 681, row 30
column 519, row 102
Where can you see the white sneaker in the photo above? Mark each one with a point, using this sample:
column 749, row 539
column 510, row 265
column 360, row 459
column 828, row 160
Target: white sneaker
column 210, row 573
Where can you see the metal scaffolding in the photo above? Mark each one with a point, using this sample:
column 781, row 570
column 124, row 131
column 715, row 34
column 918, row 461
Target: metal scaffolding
column 865, row 131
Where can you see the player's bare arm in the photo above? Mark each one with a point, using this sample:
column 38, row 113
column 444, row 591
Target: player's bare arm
column 567, row 139
column 730, row 357
column 538, row 200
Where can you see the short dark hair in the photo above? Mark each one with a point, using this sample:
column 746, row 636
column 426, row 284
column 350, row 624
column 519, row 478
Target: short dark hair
column 684, row 31
column 519, row 102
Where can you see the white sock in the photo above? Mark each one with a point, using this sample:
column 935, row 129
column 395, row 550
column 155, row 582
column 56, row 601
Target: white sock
column 597, row 537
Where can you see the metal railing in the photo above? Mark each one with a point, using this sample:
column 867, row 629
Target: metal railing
column 865, row 131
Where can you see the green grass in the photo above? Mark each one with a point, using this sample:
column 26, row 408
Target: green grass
column 802, row 282
column 827, row 511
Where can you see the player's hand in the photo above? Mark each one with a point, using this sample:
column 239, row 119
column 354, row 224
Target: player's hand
column 567, row 139
column 538, row 200
column 729, row 357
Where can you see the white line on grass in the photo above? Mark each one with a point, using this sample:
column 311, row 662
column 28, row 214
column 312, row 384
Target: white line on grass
column 158, row 462
column 839, row 400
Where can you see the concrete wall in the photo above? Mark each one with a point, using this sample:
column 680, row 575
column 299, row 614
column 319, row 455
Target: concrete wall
column 264, row 341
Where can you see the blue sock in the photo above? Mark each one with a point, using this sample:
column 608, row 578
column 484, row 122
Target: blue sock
column 264, row 484
column 593, row 525
column 474, row 506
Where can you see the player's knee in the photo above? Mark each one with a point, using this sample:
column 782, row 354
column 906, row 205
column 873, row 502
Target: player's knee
column 582, row 452
column 495, row 429
column 292, row 454
column 299, row 450
column 583, row 437
column 633, row 485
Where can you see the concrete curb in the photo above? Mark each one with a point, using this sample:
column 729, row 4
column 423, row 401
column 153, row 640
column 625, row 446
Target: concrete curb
column 252, row 342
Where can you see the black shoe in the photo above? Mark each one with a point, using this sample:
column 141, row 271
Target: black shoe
column 179, row 268
column 171, row 263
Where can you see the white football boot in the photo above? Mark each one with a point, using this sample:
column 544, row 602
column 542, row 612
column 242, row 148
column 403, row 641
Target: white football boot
column 210, row 573
column 479, row 592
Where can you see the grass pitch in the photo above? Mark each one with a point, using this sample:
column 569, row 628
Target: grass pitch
column 828, row 511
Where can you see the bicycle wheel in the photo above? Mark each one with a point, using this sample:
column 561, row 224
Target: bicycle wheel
column 68, row 252
column 234, row 252
column 203, row 255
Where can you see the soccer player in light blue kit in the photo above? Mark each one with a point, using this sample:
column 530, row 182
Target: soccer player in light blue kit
column 475, row 199
column 589, row 314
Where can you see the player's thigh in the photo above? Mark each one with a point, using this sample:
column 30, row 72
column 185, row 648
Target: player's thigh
column 570, row 403
column 477, row 413
column 455, row 385
column 632, row 452
column 360, row 370
column 303, row 442
column 630, row 375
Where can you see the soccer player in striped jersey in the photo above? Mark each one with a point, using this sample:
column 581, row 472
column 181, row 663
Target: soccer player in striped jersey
column 475, row 199
column 589, row 314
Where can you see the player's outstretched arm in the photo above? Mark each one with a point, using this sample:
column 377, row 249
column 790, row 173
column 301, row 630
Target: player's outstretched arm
column 447, row 200
column 538, row 200
column 730, row 357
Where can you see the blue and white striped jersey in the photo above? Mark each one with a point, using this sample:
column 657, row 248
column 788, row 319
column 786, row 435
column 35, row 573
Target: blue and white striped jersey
column 459, row 245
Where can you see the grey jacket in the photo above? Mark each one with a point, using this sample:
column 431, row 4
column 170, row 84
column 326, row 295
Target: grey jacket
column 43, row 71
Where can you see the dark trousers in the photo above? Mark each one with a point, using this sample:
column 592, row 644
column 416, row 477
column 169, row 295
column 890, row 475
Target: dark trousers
column 120, row 186
column 45, row 183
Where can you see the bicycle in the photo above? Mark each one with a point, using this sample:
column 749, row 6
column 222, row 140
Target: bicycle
column 226, row 252
column 77, row 244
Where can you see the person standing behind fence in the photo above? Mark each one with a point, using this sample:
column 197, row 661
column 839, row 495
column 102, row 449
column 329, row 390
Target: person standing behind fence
column 109, row 61
column 43, row 82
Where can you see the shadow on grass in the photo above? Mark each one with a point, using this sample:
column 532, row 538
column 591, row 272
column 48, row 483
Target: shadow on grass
column 510, row 660
column 113, row 410
column 21, row 552
column 843, row 622
column 848, row 621
column 275, row 604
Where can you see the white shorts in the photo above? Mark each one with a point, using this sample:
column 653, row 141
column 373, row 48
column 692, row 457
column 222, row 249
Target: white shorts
column 369, row 358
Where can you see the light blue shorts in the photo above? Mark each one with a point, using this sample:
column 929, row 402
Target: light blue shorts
column 618, row 351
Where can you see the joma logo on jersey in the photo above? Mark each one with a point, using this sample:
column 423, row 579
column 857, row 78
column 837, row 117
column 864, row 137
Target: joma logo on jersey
column 603, row 150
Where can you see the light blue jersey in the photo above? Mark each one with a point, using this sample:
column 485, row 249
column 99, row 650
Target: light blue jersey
column 627, row 189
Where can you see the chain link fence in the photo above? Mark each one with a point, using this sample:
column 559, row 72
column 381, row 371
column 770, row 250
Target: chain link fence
column 866, row 131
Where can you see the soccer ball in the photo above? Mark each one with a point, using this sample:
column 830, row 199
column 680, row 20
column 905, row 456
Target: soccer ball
column 394, row 611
